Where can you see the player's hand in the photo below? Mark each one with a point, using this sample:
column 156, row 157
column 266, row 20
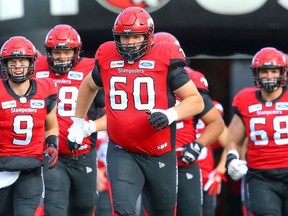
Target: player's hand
column 191, row 152
column 76, row 134
column 89, row 128
column 160, row 119
column 213, row 185
column 236, row 168
column 52, row 153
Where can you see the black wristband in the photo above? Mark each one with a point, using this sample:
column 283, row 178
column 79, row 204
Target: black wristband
column 229, row 158
column 52, row 140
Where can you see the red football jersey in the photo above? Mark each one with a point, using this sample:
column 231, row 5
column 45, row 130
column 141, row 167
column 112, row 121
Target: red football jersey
column 186, row 131
column 132, row 89
column 266, row 127
column 22, row 119
column 199, row 79
column 206, row 158
column 68, row 85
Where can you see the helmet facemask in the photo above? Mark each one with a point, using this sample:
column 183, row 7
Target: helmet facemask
column 269, row 85
column 61, row 66
column 130, row 52
column 133, row 21
column 62, row 37
column 17, row 47
column 7, row 73
column 269, row 58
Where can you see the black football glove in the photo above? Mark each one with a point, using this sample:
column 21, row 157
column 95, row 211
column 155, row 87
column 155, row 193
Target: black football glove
column 52, row 150
column 160, row 119
column 191, row 152
column 52, row 153
column 73, row 145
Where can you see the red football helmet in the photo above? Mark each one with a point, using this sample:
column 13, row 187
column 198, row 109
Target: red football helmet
column 166, row 37
column 63, row 37
column 17, row 47
column 132, row 21
column 266, row 58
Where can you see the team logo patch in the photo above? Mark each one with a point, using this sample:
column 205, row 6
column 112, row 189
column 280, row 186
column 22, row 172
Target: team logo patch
column 254, row 108
column 8, row 104
column 281, row 106
column 75, row 75
column 116, row 64
column 42, row 74
column 160, row 147
column 146, row 64
column 37, row 104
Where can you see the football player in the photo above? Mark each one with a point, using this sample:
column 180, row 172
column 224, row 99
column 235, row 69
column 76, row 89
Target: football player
column 140, row 82
column 28, row 120
column 71, row 186
column 188, row 146
column 261, row 115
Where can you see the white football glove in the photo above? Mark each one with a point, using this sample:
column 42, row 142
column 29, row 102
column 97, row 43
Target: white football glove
column 89, row 128
column 236, row 168
column 76, row 133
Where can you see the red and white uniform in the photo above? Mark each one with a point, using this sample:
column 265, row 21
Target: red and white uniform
column 266, row 126
column 186, row 129
column 68, row 85
column 206, row 158
column 22, row 123
column 132, row 89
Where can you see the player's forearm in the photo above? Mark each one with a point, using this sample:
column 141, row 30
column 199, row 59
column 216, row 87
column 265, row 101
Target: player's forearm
column 101, row 123
column 51, row 124
column 210, row 133
column 189, row 107
column 222, row 139
column 236, row 134
column 192, row 102
column 85, row 97
column 221, row 165
column 52, row 131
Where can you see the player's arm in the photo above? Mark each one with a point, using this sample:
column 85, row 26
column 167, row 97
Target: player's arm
column 51, row 137
column 236, row 134
column 81, row 128
column 191, row 104
column 222, row 141
column 191, row 101
column 214, row 126
column 51, row 123
column 235, row 139
column 87, row 92
column 99, row 124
